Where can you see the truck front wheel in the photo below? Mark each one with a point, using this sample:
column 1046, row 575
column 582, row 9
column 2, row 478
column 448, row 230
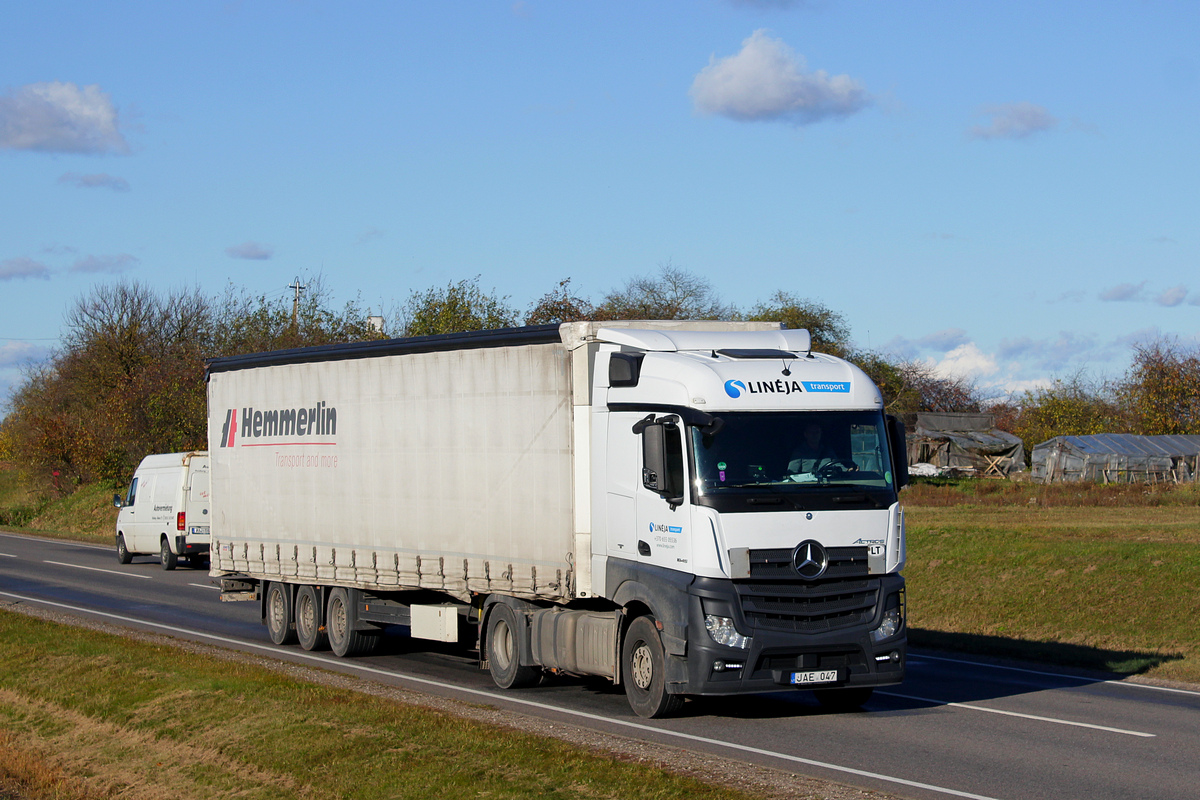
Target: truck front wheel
column 644, row 671
column 123, row 554
column 504, row 651
column 308, row 619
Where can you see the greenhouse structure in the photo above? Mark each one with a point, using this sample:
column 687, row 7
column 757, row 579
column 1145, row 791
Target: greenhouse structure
column 964, row 443
column 1117, row 458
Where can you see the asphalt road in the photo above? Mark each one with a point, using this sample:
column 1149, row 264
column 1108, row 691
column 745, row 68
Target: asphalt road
column 955, row 728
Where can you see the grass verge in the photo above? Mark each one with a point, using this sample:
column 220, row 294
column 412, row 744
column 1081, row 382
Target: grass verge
column 87, row 714
column 1110, row 588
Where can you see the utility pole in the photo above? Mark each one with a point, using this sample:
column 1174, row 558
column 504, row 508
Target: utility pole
column 298, row 287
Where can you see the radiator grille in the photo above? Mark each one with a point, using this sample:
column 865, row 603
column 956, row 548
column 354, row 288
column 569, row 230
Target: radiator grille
column 775, row 598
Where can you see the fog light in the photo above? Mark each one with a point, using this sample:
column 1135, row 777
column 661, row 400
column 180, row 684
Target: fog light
column 889, row 627
column 721, row 630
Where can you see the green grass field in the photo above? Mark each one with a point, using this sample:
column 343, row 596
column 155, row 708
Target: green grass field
column 86, row 714
column 1111, row 588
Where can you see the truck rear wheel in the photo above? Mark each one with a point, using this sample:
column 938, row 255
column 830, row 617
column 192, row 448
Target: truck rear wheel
column 166, row 556
column 644, row 671
column 341, row 619
column 308, row 619
column 504, row 651
column 281, row 623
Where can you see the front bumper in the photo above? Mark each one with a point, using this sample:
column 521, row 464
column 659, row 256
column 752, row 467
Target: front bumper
column 776, row 655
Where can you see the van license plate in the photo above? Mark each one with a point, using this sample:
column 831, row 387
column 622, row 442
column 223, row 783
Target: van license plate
column 816, row 676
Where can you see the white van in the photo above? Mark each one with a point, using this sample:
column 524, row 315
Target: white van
column 165, row 510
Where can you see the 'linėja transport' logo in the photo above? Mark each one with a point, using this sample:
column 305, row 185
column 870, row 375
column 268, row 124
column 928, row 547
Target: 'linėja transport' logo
column 301, row 425
column 736, row 388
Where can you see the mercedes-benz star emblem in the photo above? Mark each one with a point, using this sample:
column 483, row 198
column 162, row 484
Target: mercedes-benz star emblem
column 810, row 560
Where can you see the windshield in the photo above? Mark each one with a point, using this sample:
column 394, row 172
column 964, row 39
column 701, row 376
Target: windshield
column 802, row 451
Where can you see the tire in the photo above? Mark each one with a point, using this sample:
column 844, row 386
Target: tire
column 843, row 699
column 166, row 557
column 309, row 629
column 644, row 672
column 123, row 554
column 504, row 650
column 281, row 621
column 341, row 618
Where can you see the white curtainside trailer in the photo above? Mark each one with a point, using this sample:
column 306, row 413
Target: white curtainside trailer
column 614, row 499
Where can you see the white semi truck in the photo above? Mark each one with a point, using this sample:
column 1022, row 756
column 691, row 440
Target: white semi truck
column 684, row 508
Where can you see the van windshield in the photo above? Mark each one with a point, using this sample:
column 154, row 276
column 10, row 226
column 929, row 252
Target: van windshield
column 793, row 452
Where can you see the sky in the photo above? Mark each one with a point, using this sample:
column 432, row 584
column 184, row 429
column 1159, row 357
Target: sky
column 1007, row 191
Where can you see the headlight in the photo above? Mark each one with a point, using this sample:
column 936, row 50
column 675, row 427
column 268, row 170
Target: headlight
column 721, row 630
column 890, row 625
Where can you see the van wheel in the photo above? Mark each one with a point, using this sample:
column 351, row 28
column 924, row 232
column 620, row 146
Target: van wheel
column 123, row 554
column 341, row 619
column 308, row 619
column 281, row 626
column 504, row 651
column 843, row 699
column 644, row 671
column 168, row 558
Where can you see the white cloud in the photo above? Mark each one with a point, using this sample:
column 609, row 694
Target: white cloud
column 768, row 81
column 60, row 118
column 966, row 361
column 1172, row 297
column 1049, row 354
column 121, row 262
column 942, row 341
column 22, row 267
column 1013, row 121
column 99, row 181
column 1124, row 293
column 252, row 251
column 15, row 353
column 368, row 235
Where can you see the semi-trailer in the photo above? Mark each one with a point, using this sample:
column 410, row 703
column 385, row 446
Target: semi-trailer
column 683, row 508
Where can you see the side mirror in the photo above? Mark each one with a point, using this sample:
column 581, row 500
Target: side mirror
column 654, row 458
column 898, row 446
column 662, row 459
column 117, row 501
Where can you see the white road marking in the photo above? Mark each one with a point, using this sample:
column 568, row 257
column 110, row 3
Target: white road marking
column 7, row 555
column 97, row 569
column 46, row 540
column 1060, row 675
column 1023, row 716
column 503, row 698
column 206, row 586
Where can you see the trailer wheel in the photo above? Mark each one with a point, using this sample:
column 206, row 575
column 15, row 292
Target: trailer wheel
column 644, row 671
column 308, row 619
column 504, row 651
column 843, row 699
column 341, row 618
column 166, row 557
column 123, row 554
column 281, row 623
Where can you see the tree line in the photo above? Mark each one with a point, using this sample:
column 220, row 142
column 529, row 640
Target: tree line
column 128, row 377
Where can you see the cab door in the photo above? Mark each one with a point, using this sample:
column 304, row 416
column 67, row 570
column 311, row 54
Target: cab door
column 139, row 529
column 661, row 500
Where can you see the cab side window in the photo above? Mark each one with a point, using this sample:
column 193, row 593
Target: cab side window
column 131, row 496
